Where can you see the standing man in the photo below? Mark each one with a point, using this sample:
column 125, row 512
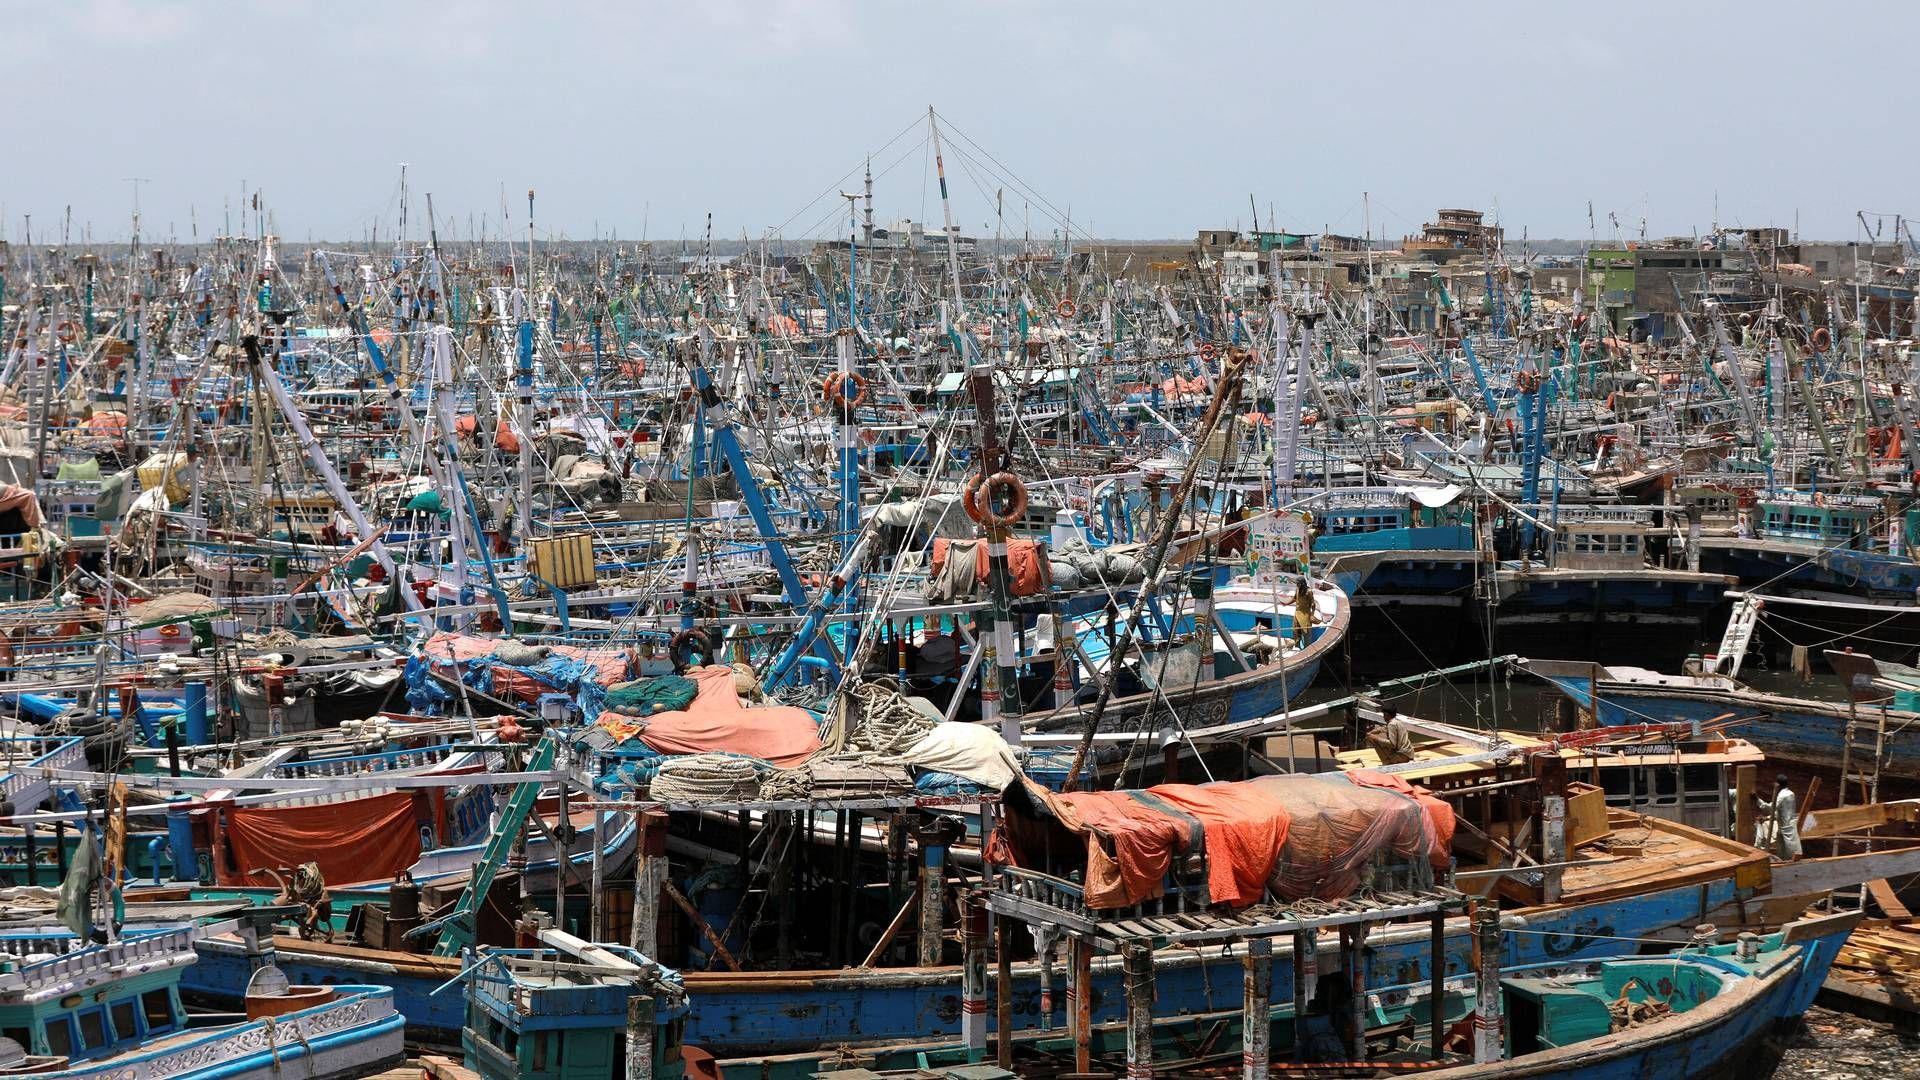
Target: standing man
column 1302, row 612
column 1781, row 829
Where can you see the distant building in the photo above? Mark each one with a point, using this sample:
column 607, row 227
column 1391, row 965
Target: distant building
column 1215, row 239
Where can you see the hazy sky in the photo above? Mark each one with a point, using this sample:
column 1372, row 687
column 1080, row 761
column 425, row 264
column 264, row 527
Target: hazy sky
column 1143, row 119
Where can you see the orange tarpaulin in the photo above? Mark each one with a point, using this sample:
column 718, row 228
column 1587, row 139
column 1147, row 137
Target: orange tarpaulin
column 366, row 840
column 1029, row 573
column 784, row 735
column 1292, row 836
column 1245, row 830
column 1143, row 843
column 1132, row 837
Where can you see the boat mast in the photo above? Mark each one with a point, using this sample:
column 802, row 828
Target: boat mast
column 946, row 220
column 523, row 513
column 270, row 380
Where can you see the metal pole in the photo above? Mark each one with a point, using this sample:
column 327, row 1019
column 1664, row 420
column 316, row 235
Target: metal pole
column 993, row 460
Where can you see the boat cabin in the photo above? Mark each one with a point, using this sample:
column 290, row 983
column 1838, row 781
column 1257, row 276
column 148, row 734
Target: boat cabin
column 118, row 998
column 1831, row 521
column 1602, row 539
column 1388, row 519
column 562, row 1013
column 1716, row 502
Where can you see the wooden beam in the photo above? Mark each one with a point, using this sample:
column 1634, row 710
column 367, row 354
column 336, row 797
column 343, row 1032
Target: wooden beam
column 686, row 907
column 1743, row 782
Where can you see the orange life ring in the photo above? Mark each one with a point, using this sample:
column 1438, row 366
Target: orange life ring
column 1016, row 494
column 1821, row 339
column 66, row 332
column 834, row 387
column 1066, row 308
column 1206, row 351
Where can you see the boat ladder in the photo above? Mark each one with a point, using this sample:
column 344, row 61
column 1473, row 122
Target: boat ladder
column 1733, row 644
column 1861, row 751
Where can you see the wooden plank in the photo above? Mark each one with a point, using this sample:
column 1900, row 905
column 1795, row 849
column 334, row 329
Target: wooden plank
column 1843, row 819
column 1743, row 781
column 1888, row 900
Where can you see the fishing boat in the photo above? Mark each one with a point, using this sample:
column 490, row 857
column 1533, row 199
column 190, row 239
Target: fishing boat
column 71, row 1008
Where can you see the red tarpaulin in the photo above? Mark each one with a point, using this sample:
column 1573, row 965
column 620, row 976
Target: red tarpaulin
column 366, row 840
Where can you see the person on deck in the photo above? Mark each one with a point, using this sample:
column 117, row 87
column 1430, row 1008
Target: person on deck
column 1302, row 613
column 1389, row 738
column 1780, row 828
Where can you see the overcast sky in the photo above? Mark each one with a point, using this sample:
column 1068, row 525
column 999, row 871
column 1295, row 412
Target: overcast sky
column 1138, row 119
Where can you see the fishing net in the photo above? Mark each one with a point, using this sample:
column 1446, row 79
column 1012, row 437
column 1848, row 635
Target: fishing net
column 661, row 693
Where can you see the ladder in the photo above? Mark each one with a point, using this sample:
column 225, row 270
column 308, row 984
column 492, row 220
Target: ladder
column 1862, row 749
column 1733, row 643
column 457, row 930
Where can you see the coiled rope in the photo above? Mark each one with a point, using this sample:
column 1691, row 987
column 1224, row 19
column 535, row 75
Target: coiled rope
column 707, row 777
column 887, row 724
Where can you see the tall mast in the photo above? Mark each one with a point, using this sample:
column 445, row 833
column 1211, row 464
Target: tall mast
column 523, row 515
column 946, row 220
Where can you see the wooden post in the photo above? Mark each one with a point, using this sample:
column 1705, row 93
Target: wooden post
column 596, row 920
column 1136, row 964
column 1256, row 1014
column 1550, row 770
column 1743, row 783
column 1045, row 949
column 933, row 872
column 1003, row 988
column 640, row 1037
column 1305, row 962
column 1080, row 1001
column 1488, row 1040
column 973, row 976
column 1353, row 969
column 1437, row 987
column 649, row 874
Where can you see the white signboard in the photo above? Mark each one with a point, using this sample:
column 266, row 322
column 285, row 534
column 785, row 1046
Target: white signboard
column 1275, row 545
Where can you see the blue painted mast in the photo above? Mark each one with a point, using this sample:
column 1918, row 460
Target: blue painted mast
column 848, row 390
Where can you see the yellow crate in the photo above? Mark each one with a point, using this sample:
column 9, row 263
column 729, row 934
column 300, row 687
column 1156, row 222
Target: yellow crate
column 164, row 470
column 566, row 561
